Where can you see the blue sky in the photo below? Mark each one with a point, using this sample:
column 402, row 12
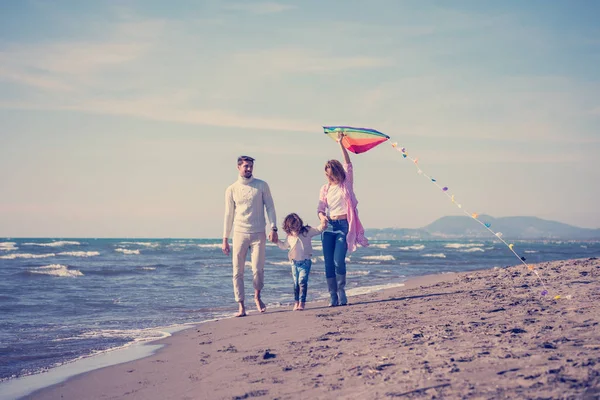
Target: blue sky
column 124, row 119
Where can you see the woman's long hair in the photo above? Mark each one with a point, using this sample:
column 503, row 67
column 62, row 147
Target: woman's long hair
column 335, row 171
column 292, row 224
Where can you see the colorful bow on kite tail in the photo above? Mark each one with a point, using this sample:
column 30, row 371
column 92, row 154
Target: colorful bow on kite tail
column 473, row 215
column 359, row 140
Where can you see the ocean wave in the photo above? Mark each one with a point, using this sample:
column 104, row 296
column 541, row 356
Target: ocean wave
column 358, row 272
column 56, row 270
column 79, row 253
column 435, row 255
column 370, row 289
column 179, row 244
column 8, row 246
column 279, row 262
column 210, row 245
column 26, row 255
column 530, row 251
column 145, row 244
column 136, row 335
column 472, row 250
column 413, row 247
column 379, row 245
column 54, row 244
column 147, row 268
column 462, row 245
column 127, row 251
column 379, row 258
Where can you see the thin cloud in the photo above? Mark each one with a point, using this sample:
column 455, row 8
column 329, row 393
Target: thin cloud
column 260, row 8
column 306, row 61
column 33, row 80
column 162, row 111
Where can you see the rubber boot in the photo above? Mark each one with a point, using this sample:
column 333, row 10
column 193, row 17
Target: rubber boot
column 332, row 286
column 341, row 289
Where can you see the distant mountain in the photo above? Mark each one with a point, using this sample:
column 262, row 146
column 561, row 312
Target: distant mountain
column 463, row 227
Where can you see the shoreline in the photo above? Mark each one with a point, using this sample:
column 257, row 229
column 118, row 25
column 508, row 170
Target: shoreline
column 24, row 386
column 184, row 362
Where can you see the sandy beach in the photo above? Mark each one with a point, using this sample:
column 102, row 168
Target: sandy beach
column 486, row 334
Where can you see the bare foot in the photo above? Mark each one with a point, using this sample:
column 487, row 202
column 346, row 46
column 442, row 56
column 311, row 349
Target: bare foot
column 296, row 306
column 260, row 306
column 241, row 311
column 301, row 307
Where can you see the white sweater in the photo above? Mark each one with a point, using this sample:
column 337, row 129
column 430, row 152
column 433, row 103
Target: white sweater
column 245, row 204
column 300, row 247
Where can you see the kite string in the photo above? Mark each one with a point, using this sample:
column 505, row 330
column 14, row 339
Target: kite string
column 487, row 226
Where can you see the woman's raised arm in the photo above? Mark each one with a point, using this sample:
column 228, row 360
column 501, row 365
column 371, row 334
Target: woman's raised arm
column 344, row 151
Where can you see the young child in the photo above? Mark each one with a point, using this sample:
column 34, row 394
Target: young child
column 300, row 250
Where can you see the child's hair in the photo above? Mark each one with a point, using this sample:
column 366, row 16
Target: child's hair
column 336, row 170
column 293, row 224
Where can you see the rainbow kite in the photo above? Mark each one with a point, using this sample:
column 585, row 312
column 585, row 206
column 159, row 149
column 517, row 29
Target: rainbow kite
column 356, row 140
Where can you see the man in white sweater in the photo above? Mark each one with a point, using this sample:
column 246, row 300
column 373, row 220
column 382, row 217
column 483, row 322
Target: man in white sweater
column 245, row 203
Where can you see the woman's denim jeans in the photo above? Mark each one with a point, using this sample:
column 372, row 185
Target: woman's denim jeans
column 300, row 271
column 335, row 247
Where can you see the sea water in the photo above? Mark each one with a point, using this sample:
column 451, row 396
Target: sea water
column 67, row 299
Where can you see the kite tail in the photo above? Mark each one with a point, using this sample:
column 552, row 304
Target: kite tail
column 475, row 216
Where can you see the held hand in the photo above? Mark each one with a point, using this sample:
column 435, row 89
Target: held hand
column 324, row 221
column 225, row 247
column 273, row 237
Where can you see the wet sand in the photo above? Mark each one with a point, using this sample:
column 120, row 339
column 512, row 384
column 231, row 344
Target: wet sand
column 484, row 335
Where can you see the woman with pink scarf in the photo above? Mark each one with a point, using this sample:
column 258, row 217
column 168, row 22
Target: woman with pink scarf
column 337, row 210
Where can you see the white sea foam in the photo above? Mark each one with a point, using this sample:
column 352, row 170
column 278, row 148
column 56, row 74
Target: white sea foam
column 317, row 247
column 358, row 272
column 472, row 250
column 145, row 244
column 54, row 244
column 210, row 246
column 138, row 335
column 8, row 246
column 127, row 251
column 370, row 289
column 26, row 255
column 147, row 268
column 413, row 247
column 56, row 270
column 530, row 251
column 79, row 253
column 279, row 262
column 379, row 258
column 435, row 255
column 379, row 245
column 462, row 245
